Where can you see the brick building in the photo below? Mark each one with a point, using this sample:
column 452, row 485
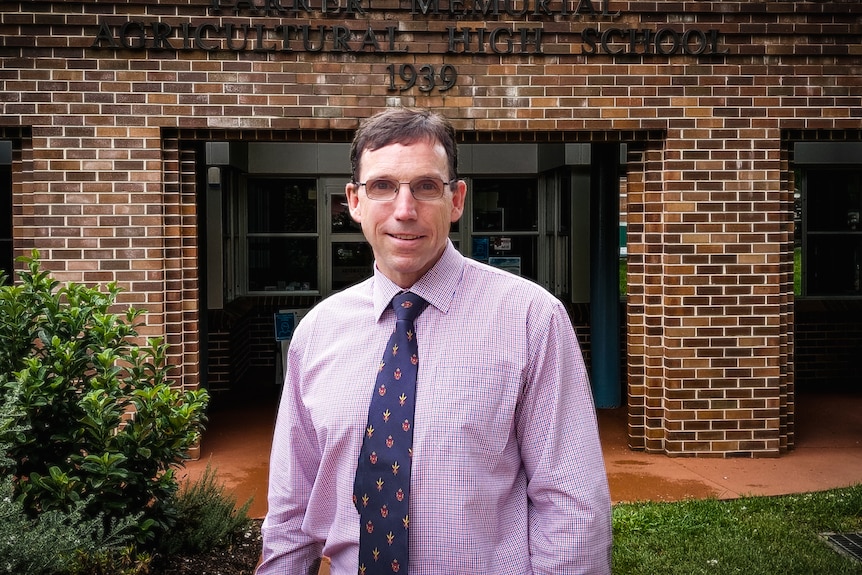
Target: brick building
column 686, row 176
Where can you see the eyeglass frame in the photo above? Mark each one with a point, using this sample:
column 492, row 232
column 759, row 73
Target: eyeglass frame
column 409, row 186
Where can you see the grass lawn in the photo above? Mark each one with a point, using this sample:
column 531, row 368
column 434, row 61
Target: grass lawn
column 750, row 536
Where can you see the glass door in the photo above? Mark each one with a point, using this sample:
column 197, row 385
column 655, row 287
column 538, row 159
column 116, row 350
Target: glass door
column 6, row 258
column 281, row 235
column 505, row 224
column 349, row 257
column 832, row 257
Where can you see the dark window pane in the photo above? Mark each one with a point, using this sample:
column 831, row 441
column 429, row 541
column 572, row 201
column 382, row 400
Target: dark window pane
column 6, row 263
column 516, row 254
column 505, row 205
column 351, row 263
column 282, row 206
column 282, row 264
column 7, row 267
column 5, row 202
column 834, row 263
column 834, row 201
column 339, row 212
column 833, row 206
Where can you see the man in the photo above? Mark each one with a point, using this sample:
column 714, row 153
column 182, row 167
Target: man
column 507, row 472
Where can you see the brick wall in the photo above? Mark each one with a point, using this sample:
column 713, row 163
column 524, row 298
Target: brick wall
column 108, row 154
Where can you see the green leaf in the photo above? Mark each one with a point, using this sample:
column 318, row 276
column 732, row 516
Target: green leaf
column 96, row 420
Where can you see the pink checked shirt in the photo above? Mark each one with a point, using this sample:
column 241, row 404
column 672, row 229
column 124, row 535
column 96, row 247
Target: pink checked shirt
column 508, row 476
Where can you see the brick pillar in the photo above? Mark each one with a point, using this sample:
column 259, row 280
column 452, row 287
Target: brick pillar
column 710, row 239
column 181, row 259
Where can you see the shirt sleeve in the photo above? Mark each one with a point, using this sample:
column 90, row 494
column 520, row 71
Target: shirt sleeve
column 568, row 497
column 294, row 462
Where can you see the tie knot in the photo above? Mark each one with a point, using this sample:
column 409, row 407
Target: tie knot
column 408, row 306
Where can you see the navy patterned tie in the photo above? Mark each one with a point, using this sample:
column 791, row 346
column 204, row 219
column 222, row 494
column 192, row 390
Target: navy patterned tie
column 381, row 490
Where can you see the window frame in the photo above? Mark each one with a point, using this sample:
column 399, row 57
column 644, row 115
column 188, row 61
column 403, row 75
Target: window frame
column 7, row 248
column 816, row 156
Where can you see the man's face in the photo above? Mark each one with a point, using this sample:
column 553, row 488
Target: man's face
column 407, row 236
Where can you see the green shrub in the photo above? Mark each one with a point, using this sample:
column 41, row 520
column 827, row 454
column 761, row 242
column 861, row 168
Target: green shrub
column 207, row 516
column 97, row 424
column 60, row 542
column 110, row 561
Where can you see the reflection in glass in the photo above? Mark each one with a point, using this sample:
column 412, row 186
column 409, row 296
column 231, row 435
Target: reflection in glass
column 351, row 263
column 282, row 264
column 340, row 215
column 514, row 252
column 506, row 224
column 505, row 205
column 282, row 205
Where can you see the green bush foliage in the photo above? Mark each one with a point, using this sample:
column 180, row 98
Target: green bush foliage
column 207, row 516
column 61, row 542
column 96, row 423
column 77, row 545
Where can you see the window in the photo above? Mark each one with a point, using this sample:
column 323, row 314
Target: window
column 6, row 253
column 828, row 205
column 505, row 222
column 832, row 232
column 281, row 236
column 351, row 263
column 285, row 227
column 350, row 255
column 299, row 236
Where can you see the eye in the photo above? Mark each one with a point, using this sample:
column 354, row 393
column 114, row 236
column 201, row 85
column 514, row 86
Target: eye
column 381, row 186
column 426, row 185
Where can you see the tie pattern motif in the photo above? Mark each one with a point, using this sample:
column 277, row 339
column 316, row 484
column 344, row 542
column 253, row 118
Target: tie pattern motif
column 381, row 490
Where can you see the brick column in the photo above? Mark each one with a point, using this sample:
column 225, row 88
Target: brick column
column 709, row 246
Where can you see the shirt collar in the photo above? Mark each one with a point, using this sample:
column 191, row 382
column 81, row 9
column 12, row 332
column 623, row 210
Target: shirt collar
column 437, row 286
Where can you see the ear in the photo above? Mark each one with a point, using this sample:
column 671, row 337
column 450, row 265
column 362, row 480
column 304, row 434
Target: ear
column 352, row 192
column 459, row 196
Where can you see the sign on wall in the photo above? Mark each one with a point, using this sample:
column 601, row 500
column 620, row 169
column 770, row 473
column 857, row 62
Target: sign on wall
column 470, row 27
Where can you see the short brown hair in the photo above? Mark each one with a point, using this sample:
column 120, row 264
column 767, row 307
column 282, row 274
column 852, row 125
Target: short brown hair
column 404, row 126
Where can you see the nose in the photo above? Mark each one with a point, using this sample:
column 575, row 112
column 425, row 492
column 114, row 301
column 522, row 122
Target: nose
column 405, row 203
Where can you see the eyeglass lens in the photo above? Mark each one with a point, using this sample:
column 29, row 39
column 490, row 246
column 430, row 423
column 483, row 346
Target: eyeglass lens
column 421, row 188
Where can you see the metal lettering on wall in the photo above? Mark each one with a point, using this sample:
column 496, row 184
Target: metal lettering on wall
column 265, row 30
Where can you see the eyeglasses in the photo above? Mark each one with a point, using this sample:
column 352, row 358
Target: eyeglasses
column 423, row 189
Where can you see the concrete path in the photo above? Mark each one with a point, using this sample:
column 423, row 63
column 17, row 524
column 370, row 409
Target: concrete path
column 828, row 454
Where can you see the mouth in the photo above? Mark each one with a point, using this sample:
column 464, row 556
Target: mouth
column 405, row 237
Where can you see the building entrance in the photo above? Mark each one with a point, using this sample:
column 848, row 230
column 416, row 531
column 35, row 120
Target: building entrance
column 279, row 235
column 828, row 265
